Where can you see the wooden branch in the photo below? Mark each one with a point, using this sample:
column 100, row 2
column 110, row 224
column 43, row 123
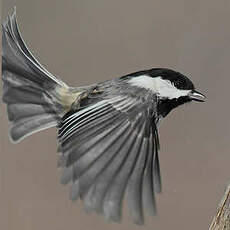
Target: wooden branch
column 222, row 219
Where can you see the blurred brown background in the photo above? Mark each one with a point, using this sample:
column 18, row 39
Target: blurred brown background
column 86, row 41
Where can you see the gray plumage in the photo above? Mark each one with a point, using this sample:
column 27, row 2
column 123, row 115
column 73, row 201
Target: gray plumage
column 28, row 89
column 107, row 147
column 110, row 148
column 107, row 132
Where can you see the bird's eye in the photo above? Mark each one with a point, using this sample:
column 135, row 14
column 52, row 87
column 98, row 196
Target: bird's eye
column 180, row 83
column 177, row 84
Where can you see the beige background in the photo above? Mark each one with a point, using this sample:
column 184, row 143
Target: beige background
column 86, row 41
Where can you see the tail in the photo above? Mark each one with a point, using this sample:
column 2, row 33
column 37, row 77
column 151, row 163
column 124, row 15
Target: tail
column 35, row 99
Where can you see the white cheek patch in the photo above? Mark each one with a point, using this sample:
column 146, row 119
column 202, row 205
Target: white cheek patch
column 162, row 87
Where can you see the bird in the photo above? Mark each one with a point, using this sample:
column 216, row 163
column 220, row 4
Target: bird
column 108, row 142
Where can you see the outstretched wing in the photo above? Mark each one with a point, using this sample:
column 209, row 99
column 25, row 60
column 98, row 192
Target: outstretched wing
column 109, row 148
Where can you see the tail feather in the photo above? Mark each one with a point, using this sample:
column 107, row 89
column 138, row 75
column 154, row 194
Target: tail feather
column 34, row 97
column 29, row 125
column 17, row 111
column 17, row 58
column 24, row 94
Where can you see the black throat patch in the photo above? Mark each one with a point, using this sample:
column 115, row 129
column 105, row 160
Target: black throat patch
column 165, row 106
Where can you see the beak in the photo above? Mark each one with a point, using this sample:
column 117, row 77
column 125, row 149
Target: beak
column 196, row 96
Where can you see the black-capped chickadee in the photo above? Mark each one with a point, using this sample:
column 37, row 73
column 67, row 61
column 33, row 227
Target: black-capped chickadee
column 107, row 132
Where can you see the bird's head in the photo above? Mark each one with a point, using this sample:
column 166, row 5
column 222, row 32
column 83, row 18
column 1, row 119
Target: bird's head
column 172, row 88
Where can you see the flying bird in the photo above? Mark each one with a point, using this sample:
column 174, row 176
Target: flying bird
column 107, row 132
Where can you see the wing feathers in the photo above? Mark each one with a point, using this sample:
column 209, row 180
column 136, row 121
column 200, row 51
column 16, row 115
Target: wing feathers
column 85, row 124
column 88, row 177
column 110, row 148
column 115, row 193
column 156, row 163
column 77, row 151
column 106, row 177
column 94, row 136
column 148, row 186
column 134, row 197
